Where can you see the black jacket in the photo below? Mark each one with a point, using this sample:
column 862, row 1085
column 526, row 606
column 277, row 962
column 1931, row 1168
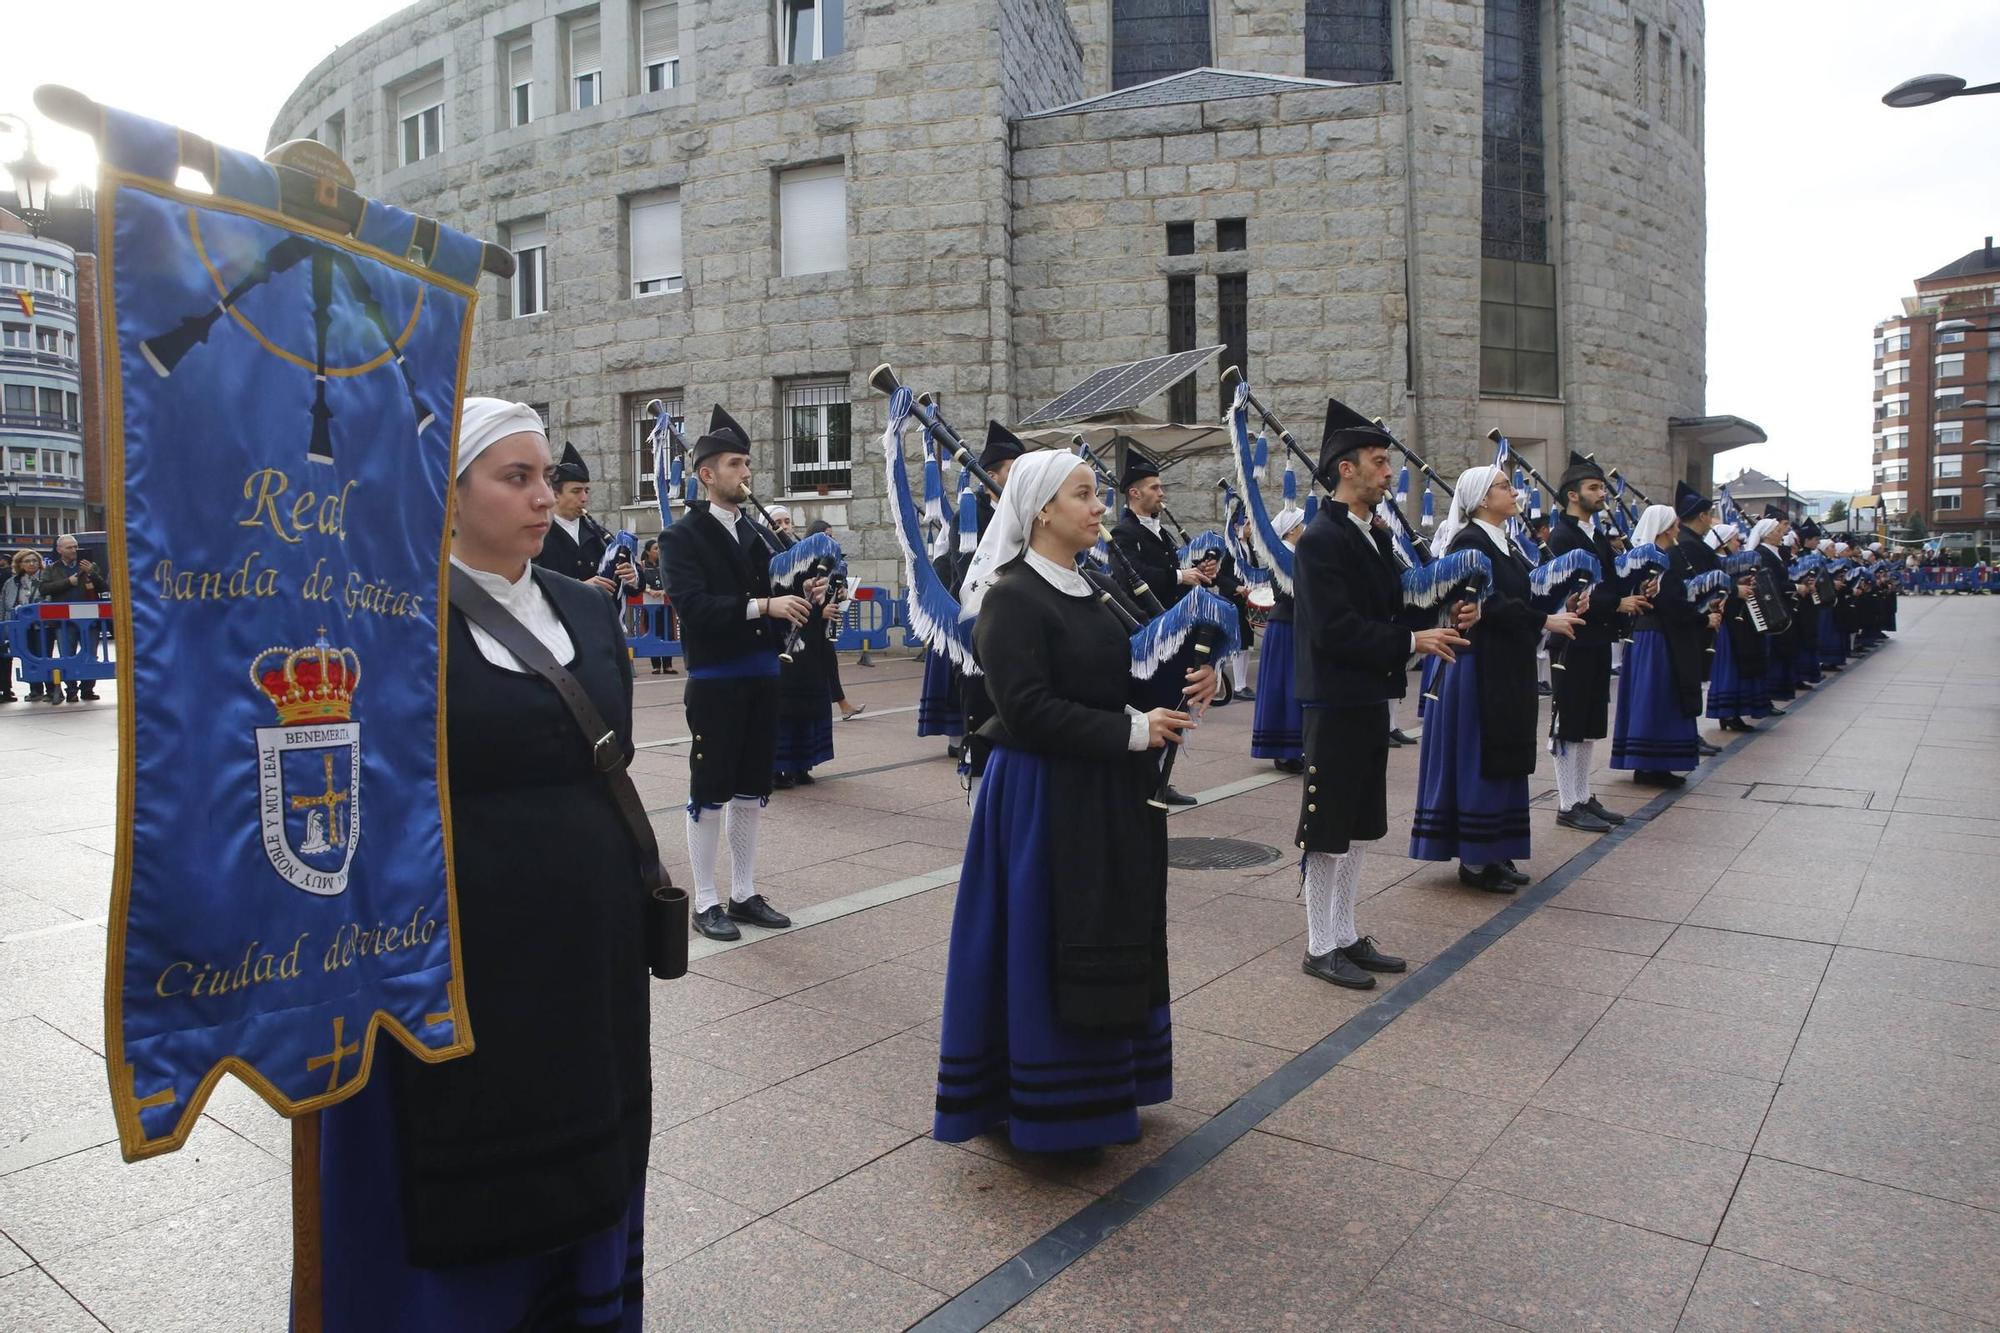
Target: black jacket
column 1602, row 622
column 1156, row 558
column 1504, row 644
column 709, row 578
column 577, row 557
column 1352, row 644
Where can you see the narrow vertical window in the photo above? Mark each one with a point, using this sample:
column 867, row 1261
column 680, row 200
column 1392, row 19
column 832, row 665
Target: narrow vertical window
column 1232, row 312
column 812, row 219
column 1181, row 405
column 1349, row 41
column 586, row 65
column 819, row 449
column 1640, row 52
column 520, row 83
column 810, row 30
column 420, row 116
column 659, row 47
column 529, row 241
column 654, row 221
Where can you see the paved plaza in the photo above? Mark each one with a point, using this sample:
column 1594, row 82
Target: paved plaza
column 1735, row 1066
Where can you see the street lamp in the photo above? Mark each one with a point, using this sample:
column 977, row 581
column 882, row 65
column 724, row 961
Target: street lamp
column 32, row 178
column 1928, row 88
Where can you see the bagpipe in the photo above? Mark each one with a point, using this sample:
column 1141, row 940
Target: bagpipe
column 1259, row 595
column 935, row 615
column 1517, row 527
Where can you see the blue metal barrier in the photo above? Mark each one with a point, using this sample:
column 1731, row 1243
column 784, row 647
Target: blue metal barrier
column 647, row 629
column 867, row 620
column 61, row 642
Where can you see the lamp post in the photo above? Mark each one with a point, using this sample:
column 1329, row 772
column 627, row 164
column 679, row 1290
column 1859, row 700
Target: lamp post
column 32, row 177
column 1928, row 88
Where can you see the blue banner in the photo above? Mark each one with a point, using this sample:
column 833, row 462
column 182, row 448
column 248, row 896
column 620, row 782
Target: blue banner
column 282, row 403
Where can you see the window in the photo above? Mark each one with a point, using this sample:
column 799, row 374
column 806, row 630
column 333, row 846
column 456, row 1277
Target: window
column 21, row 460
column 812, row 219
column 420, row 112
column 1686, row 90
column 1348, row 41
column 1151, row 39
column 1181, row 403
column 50, row 404
column 1947, row 500
column 818, row 445
column 52, row 462
column 69, row 344
column 1639, row 53
column 14, row 272
column 72, row 415
column 1893, row 440
column 48, row 340
column 1950, row 367
column 334, row 133
column 1951, row 336
column 1232, row 312
column 1180, row 241
column 654, row 221
column 530, row 243
column 1945, row 435
column 16, row 335
column 1232, row 234
column 811, row 30
column 541, row 410
column 1946, row 467
column 644, row 491
column 1949, row 400
column 1896, row 372
column 586, row 65
column 1517, row 328
column 520, row 82
column 1666, row 76
column 46, row 521
column 659, row 47
column 1514, row 208
column 20, row 399
column 45, row 279
column 1895, row 502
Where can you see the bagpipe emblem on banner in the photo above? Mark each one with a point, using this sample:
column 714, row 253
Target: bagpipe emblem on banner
column 281, row 405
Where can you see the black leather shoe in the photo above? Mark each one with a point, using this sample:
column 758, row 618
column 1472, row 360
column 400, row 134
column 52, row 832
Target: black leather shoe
column 1247, row 696
column 1397, row 736
column 1657, row 777
column 1580, row 818
column 1515, row 875
column 1704, row 749
column 953, row 750
column 1598, row 808
column 758, row 913
column 1333, row 966
column 1490, row 878
column 781, row 781
column 88, row 693
column 711, row 922
column 1289, row 765
column 1363, row 954
column 1173, row 797
column 804, row 778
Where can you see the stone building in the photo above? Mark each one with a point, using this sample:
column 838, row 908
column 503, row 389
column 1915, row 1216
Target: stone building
column 1456, row 214
column 48, row 387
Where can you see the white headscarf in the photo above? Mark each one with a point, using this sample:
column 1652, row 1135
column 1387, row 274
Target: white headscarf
column 1765, row 527
column 1473, row 483
column 1656, row 520
column 1719, row 535
column 1286, row 519
column 1031, row 483
column 1791, row 537
column 484, row 421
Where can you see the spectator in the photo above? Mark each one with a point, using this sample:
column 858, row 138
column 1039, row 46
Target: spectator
column 71, row 578
column 19, row 587
column 652, row 589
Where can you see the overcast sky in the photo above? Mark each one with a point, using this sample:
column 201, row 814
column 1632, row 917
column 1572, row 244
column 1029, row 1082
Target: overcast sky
column 1823, row 204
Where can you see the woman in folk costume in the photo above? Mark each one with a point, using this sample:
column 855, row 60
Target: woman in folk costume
column 1478, row 747
column 1767, row 540
column 1736, row 687
column 1277, row 732
column 506, row 1188
column 1055, row 1007
column 1654, row 736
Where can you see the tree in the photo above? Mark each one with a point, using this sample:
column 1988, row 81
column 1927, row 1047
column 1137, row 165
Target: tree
column 1914, row 528
column 1836, row 511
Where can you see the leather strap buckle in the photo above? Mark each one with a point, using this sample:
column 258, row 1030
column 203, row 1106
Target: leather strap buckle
column 604, row 755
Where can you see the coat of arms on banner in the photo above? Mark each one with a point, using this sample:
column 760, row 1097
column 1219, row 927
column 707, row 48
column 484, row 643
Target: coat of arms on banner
column 310, row 830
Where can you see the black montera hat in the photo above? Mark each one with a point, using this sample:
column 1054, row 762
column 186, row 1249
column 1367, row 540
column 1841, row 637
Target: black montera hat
column 723, row 436
column 572, row 466
column 1688, row 501
column 1346, row 430
column 1138, row 467
column 1002, row 445
column 1580, row 470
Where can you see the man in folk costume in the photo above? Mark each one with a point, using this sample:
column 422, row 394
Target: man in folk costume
column 1579, row 713
column 576, row 542
column 1354, row 640
column 1277, row 731
column 1155, row 558
column 1767, row 540
column 1806, row 671
column 717, row 568
column 1690, row 557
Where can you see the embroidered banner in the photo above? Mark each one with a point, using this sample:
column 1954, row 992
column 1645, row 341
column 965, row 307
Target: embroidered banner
column 281, row 409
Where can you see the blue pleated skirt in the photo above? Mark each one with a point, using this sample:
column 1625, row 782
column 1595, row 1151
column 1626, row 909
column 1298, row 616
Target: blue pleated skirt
column 1805, row 664
column 1832, row 643
column 370, row 1287
column 1650, row 731
column 1004, row 1059
column 802, row 743
column 939, row 710
column 1730, row 693
column 1278, row 729
column 1460, row 813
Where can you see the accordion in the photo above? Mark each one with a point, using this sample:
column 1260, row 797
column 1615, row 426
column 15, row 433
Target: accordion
column 1769, row 610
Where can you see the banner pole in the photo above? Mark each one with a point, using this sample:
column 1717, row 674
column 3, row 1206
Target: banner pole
column 308, row 1291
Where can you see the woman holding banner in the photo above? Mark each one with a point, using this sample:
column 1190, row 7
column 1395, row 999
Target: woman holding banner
column 506, row 1188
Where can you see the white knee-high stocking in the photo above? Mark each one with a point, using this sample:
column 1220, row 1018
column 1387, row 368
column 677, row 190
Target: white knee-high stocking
column 704, row 844
column 741, row 820
column 1573, row 773
column 1330, row 886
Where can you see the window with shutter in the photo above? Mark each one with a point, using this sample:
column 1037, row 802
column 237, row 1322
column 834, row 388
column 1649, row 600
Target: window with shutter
column 810, row 30
column 521, row 83
column 654, row 221
column 585, row 65
column 420, row 113
column 659, row 46
column 812, row 219
column 528, row 239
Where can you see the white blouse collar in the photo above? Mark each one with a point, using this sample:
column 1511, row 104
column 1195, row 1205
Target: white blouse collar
column 1067, row 581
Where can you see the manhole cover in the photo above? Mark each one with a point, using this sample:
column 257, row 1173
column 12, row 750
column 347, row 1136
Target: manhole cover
column 1218, row 853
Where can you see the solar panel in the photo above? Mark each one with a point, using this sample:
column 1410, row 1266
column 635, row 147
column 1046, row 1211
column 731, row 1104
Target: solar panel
column 1118, row 388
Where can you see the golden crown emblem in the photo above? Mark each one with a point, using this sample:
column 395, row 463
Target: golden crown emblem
column 313, row 684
